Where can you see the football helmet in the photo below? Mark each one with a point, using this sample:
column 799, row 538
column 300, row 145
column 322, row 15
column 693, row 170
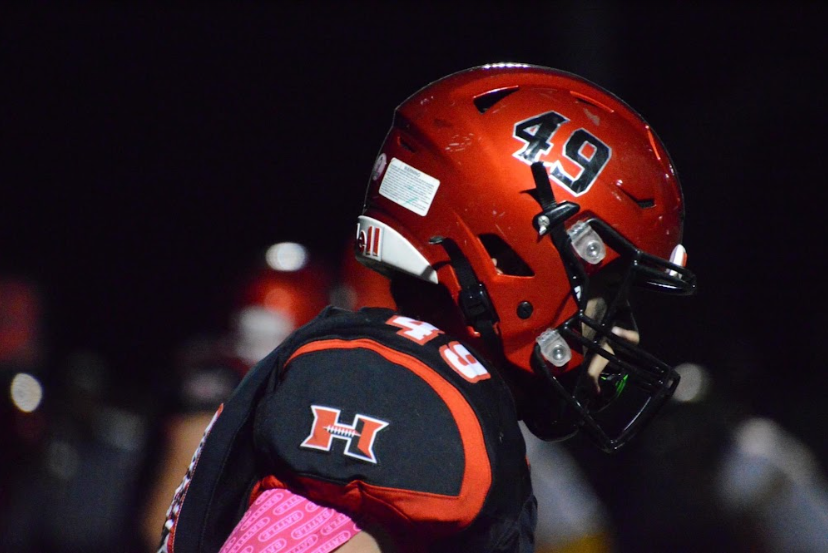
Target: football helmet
column 275, row 299
column 539, row 202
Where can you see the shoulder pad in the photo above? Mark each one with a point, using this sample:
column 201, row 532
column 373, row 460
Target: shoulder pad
column 363, row 423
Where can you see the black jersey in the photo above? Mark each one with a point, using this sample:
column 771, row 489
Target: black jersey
column 383, row 417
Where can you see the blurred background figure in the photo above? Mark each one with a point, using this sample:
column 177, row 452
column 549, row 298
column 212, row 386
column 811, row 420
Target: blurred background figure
column 709, row 475
column 286, row 292
column 660, row 493
column 22, row 356
column 571, row 516
column 772, row 480
column 78, row 492
column 284, row 289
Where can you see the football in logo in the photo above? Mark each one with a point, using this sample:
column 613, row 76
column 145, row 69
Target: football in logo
column 359, row 436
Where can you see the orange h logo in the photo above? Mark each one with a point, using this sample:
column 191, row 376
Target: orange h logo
column 359, row 436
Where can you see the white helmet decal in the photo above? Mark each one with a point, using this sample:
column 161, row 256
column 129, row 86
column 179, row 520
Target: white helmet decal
column 380, row 243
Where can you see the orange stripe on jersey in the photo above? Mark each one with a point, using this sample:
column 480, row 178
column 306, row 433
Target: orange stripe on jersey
column 477, row 473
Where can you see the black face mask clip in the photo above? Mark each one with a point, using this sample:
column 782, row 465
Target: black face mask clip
column 553, row 214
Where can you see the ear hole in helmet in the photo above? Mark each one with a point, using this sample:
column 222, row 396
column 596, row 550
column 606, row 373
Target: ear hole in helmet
column 488, row 99
column 504, row 257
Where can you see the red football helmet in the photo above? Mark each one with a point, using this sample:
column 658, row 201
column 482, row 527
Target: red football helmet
column 537, row 200
column 279, row 297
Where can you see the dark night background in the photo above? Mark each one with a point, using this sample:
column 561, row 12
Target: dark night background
column 147, row 153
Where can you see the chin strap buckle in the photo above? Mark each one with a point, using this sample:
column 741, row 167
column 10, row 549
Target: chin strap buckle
column 476, row 306
column 473, row 298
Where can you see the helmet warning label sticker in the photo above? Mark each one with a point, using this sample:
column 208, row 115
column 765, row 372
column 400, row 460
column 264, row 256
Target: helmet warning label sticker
column 408, row 187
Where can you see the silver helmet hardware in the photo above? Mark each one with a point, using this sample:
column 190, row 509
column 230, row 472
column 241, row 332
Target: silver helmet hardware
column 587, row 243
column 554, row 348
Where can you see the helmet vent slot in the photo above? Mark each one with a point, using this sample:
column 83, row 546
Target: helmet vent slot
column 488, row 99
column 644, row 203
column 504, row 257
column 591, row 101
column 406, row 144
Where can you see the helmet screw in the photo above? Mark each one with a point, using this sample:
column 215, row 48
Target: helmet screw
column 524, row 310
column 558, row 353
column 543, row 224
column 593, row 249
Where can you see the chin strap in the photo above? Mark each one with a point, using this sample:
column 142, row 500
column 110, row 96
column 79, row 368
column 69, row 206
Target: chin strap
column 473, row 298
